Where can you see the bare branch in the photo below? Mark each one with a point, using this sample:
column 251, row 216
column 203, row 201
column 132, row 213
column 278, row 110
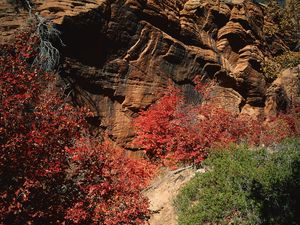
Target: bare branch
column 48, row 56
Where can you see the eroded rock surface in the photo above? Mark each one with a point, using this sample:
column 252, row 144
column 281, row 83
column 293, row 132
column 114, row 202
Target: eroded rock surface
column 284, row 91
column 121, row 54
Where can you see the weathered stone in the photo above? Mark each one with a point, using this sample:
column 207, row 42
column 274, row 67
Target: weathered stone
column 227, row 98
column 253, row 112
column 284, row 91
column 120, row 55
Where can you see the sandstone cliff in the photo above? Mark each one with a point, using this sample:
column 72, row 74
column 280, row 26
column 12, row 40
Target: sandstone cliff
column 119, row 55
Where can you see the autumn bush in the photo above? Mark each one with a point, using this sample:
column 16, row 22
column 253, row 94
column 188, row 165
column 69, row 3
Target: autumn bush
column 51, row 170
column 172, row 131
column 109, row 184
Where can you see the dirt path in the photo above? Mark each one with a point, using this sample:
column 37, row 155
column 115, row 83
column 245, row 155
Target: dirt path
column 162, row 193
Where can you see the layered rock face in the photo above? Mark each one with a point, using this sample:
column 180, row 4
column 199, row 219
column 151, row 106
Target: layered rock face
column 120, row 55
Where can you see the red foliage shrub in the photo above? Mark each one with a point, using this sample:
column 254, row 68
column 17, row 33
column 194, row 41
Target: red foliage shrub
column 51, row 171
column 281, row 126
column 110, row 183
column 172, row 131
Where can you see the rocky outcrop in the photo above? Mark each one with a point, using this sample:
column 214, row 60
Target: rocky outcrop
column 284, row 92
column 120, row 55
column 10, row 21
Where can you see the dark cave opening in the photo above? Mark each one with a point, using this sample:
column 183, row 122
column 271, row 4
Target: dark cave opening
column 84, row 42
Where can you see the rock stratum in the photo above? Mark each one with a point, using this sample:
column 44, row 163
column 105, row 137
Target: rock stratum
column 120, row 55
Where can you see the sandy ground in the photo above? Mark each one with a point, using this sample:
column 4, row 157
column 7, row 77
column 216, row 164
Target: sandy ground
column 162, row 193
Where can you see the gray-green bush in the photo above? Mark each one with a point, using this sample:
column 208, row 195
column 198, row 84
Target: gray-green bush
column 245, row 186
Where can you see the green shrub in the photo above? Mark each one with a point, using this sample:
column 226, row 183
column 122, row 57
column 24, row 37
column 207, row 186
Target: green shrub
column 245, row 186
column 283, row 21
column 272, row 68
column 289, row 59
